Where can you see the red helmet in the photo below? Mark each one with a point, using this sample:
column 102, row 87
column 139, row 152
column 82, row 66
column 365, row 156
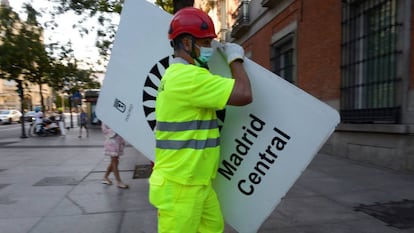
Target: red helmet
column 192, row 21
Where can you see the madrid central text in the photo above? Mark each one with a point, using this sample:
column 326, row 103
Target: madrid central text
column 265, row 158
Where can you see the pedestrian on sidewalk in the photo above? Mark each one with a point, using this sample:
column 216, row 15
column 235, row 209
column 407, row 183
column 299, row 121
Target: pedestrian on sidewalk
column 83, row 118
column 114, row 148
column 38, row 120
column 187, row 134
column 61, row 121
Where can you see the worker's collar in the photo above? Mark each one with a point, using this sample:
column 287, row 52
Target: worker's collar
column 179, row 60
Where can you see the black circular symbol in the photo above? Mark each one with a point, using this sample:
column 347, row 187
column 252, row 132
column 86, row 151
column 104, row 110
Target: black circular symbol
column 149, row 93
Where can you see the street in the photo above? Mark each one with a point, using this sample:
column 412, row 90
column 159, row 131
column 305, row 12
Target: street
column 60, row 177
column 52, row 184
column 11, row 132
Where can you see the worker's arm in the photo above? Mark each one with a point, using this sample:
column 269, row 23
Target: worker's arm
column 242, row 91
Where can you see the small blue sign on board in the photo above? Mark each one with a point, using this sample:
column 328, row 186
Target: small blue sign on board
column 76, row 95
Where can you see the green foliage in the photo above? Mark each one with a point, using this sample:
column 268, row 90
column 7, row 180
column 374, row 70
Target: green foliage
column 167, row 5
column 11, row 59
column 91, row 6
column 25, row 57
column 24, row 54
column 104, row 10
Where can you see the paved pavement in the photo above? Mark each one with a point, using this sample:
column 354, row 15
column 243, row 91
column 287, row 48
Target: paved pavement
column 52, row 185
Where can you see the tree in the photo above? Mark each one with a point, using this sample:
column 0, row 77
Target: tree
column 24, row 55
column 103, row 10
column 179, row 4
column 11, row 59
column 173, row 6
column 65, row 74
column 37, row 60
column 166, row 5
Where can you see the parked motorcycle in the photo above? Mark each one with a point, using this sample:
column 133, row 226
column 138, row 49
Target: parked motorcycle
column 46, row 128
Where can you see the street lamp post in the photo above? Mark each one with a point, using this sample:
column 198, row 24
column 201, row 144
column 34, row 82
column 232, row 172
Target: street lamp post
column 22, row 118
column 68, row 90
column 70, row 111
column 62, row 98
column 20, row 91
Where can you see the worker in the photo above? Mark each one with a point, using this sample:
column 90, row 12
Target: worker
column 187, row 134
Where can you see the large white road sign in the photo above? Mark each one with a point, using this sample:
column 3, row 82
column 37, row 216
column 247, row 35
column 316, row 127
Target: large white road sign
column 265, row 145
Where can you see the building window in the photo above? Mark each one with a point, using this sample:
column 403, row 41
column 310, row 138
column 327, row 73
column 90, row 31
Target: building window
column 369, row 77
column 282, row 58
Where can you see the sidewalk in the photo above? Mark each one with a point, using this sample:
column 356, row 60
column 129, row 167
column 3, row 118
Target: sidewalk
column 52, row 185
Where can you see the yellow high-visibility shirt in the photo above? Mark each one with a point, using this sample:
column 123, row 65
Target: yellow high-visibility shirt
column 187, row 135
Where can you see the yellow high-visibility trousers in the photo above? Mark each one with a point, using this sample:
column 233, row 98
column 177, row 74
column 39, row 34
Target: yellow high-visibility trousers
column 185, row 208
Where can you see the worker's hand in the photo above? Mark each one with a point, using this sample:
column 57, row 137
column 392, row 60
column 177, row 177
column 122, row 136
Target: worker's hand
column 233, row 52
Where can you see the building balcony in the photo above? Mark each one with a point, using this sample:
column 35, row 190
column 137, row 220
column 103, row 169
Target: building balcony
column 242, row 19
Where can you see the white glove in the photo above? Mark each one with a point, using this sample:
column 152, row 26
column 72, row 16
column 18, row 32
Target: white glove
column 233, row 52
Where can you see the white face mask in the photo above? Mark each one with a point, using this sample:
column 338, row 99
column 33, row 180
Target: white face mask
column 205, row 54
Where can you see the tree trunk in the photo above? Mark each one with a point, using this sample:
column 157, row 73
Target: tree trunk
column 42, row 101
column 179, row 4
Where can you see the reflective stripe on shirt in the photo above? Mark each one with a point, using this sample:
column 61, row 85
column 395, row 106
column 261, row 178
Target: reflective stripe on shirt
column 190, row 144
column 188, row 125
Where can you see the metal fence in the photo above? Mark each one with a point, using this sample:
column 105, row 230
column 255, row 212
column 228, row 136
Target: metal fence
column 369, row 80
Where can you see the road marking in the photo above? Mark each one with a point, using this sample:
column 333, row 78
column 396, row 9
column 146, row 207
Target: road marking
column 13, row 127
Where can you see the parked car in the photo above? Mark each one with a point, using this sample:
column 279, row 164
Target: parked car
column 28, row 116
column 9, row 116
